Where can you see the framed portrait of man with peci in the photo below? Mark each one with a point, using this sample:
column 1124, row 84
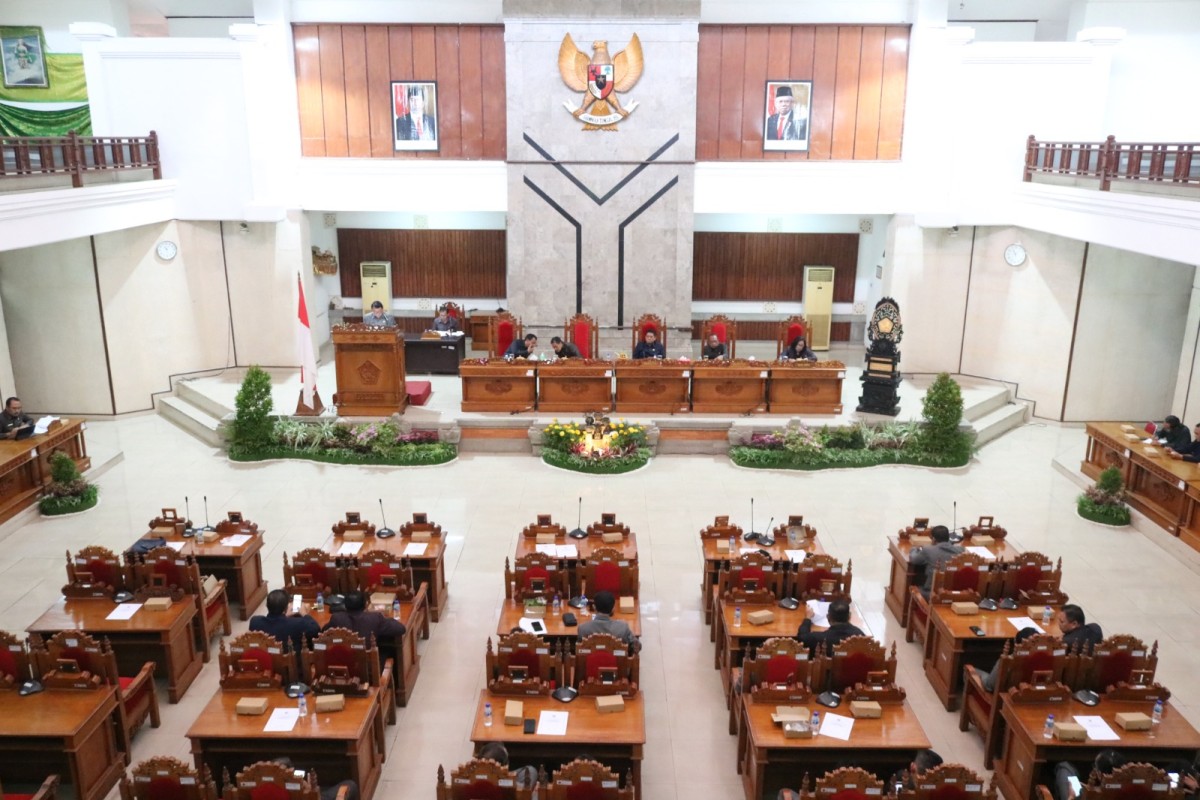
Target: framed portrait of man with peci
column 414, row 115
column 787, row 124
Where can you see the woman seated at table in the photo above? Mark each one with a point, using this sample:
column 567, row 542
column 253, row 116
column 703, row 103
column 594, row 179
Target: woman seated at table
column 798, row 350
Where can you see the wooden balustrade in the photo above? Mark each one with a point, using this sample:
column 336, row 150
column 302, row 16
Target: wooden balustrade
column 1146, row 163
column 74, row 155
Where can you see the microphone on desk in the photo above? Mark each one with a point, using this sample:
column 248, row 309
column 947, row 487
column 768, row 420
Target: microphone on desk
column 188, row 531
column 766, row 539
column 385, row 532
column 753, row 534
column 206, row 527
column 578, row 533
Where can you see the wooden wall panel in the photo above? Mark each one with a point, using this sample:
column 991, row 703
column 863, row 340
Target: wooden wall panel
column 343, row 77
column 859, row 76
column 427, row 263
column 770, row 266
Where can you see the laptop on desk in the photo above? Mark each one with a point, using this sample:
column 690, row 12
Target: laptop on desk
column 24, row 433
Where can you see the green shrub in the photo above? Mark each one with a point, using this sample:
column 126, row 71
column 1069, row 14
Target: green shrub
column 1104, row 502
column 1103, row 513
column 253, row 428
column 1110, row 482
column 403, row 455
column 67, row 491
column 63, row 468
column 942, row 410
column 844, row 438
column 596, row 466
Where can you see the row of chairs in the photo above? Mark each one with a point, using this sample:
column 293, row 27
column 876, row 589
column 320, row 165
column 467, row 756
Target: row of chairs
column 166, row 778
column 313, row 571
column 523, row 664
column 485, row 779
column 545, row 525
column 539, row 575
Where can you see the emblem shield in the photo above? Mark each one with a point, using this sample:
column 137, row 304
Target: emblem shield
column 600, row 80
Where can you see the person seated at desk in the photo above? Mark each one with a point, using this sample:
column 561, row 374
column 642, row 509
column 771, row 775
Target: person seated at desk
column 295, row 629
column 1064, row 771
column 798, row 351
column 713, row 349
column 649, row 347
column 443, row 322
column 839, row 628
column 378, row 318
column 12, row 420
column 930, row 557
column 1172, row 434
column 1077, row 630
column 527, row 775
column 564, row 349
column 522, row 348
column 357, row 618
column 603, row 622
column 1189, row 452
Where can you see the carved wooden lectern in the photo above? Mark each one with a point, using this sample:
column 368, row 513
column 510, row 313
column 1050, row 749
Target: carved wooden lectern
column 370, row 370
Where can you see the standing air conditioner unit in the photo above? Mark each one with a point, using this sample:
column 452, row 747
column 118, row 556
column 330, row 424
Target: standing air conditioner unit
column 818, row 305
column 376, row 284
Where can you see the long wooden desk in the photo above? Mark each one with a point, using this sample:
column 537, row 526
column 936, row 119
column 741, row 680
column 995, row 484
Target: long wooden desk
column 575, row 385
column 498, row 385
column 25, row 464
column 714, row 561
column 1165, row 490
column 904, row 574
column 164, row 637
column 428, row 568
column 64, row 731
column 583, row 547
column 806, row 387
column 1027, row 759
column 339, row 745
column 769, row 762
column 729, row 387
column 614, row 740
column 240, row 566
column 950, row 644
column 511, row 613
column 651, row 385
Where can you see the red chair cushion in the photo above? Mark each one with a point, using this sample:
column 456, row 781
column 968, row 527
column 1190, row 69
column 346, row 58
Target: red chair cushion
column 527, row 659
column 376, row 572
column 262, row 657
column 965, row 579
column 125, row 683
column 780, row 669
column 339, row 655
column 8, row 663
column 169, row 569
column 720, row 331
column 1114, row 668
column 536, row 572
column 504, row 336
column 1028, row 577
column 794, row 330
column 585, row 791
column 102, row 571
column 582, row 334
column 608, row 577
column 751, row 574
column 165, row 789
column 481, row 790
column 598, row 659
column 854, row 670
column 947, row 792
column 214, row 609
column 85, row 660
column 316, row 569
column 269, row 791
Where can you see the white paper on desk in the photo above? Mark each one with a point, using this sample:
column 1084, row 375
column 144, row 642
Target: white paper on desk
column 982, row 552
column 1097, row 728
column 349, row 548
column 836, row 726
column 43, row 425
column 236, row 540
column 820, row 612
column 414, row 549
column 124, row 611
column 282, row 720
column 796, row 556
column 546, row 549
column 552, row 723
column 1025, row 622
column 566, row 551
column 176, row 546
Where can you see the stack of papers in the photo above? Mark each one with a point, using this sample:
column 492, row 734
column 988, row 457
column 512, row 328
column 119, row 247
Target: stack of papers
column 282, row 720
column 124, row 611
column 552, row 723
column 1097, row 729
column 349, row 548
column 982, row 552
column 237, row 540
column 43, row 425
column 1025, row 622
column 820, row 613
column 176, row 546
column 414, row 549
column 558, row 550
column 836, row 726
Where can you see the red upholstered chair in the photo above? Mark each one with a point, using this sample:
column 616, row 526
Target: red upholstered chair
column 505, row 329
column 845, row 783
column 582, row 331
column 529, row 571
column 966, row 577
column 481, row 779
column 776, row 661
column 598, row 653
column 747, row 573
column 649, row 322
column 606, row 569
column 854, row 658
column 821, row 577
column 268, row 780
column 164, row 572
column 313, row 571
column 789, row 329
column 339, row 649
column 47, row 791
column 255, row 660
column 1034, row 578
column 453, row 311
column 380, row 571
column 949, row 782
column 726, row 331
column 1131, row 782
column 95, row 571
column 136, row 698
column 1115, row 660
column 166, row 778
column 588, row 780
column 541, row 662
column 14, row 662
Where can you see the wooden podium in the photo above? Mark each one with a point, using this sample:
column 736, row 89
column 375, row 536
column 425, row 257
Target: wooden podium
column 370, row 370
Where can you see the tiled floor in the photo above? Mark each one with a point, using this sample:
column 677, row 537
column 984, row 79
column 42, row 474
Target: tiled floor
column 1143, row 583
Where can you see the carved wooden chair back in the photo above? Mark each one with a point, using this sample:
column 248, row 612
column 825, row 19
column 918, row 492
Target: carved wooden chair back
column 582, row 331
column 855, row 658
column 582, row 779
column 787, row 332
column 167, row 778
column 14, row 661
column 270, row 780
column 725, row 330
column 603, row 659
column 822, row 577
column 312, row 571
column 255, row 658
column 607, row 569
column 480, row 779
column 505, row 328
column 534, row 575
column 646, row 323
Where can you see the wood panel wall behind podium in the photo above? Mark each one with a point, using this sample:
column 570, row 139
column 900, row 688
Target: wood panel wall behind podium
column 428, row 263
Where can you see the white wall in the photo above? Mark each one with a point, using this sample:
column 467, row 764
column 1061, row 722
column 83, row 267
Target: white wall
column 55, row 16
column 1186, row 402
column 264, row 263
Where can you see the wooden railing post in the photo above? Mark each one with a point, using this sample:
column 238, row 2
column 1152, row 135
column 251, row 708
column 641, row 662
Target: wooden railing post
column 152, row 153
column 1109, row 156
column 1030, row 157
column 73, row 159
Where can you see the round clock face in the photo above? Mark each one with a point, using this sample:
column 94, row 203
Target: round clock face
column 1014, row 254
column 166, row 250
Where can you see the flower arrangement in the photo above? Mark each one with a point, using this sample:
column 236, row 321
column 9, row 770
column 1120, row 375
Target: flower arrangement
column 67, row 492
column 1104, row 502
column 597, row 446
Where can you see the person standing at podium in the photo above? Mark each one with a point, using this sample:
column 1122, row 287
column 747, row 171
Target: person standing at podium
column 378, row 318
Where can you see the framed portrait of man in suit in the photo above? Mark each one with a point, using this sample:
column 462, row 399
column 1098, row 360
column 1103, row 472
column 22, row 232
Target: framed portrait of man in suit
column 414, row 115
column 786, row 125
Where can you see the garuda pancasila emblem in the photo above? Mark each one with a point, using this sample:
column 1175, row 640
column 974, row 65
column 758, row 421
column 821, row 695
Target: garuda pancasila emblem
column 601, row 78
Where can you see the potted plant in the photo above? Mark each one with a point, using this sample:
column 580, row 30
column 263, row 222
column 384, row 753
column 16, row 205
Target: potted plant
column 1104, row 502
column 67, row 492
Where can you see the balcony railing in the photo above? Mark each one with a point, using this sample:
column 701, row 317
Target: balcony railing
column 74, row 155
column 1145, row 163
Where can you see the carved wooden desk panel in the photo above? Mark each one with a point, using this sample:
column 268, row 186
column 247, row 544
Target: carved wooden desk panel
column 806, row 387
column 729, row 387
column 498, row 385
column 652, row 386
column 574, row 385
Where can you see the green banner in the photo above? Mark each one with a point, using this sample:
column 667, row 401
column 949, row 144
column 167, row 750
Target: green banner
column 24, row 122
column 67, row 82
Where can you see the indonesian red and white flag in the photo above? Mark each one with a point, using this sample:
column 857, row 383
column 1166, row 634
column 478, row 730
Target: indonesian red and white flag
column 304, row 350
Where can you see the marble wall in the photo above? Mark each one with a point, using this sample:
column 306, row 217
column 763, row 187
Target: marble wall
column 600, row 211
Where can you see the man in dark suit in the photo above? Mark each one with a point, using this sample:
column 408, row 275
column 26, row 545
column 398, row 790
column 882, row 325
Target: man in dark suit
column 649, row 347
column 416, row 125
column 564, row 349
column 363, row 622
column 785, row 124
column 1077, row 630
column 294, row 629
column 839, row 628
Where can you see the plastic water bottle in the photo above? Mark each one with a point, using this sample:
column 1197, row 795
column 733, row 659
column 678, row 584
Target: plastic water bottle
column 487, row 715
column 1156, row 717
column 732, row 545
column 1046, row 614
column 396, row 608
column 320, row 602
column 557, row 604
column 512, row 591
column 737, row 616
column 302, row 706
column 1048, row 728
column 583, row 610
column 815, row 723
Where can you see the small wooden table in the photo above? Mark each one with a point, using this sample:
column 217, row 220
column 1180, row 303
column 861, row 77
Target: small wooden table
column 1028, row 759
column 650, row 385
column 714, row 561
column 164, row 637
column 346, row 744
column 806, row 387
column 614, row 740
column 768, row 762
column 950, row 644
column 429, row 567
column 498, row 385
column 511, row 613
column 904, row 574
column 240, row 566
column 575, row 385
column 729, row 387
column 62, row 731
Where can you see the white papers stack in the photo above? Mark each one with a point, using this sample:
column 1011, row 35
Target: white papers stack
column 282, row 720
column 176, row 546
column 1097, row 729
column 982, row 552
column 820, row 613
column 546, row 549
column 237, row 540
column 796, row 556
column 566, row 551
column 349, row 548
column 1025, row 622
column 836, row 726
column 124, row 611
column 552, row 723
column 43, row 425
column 414, row 549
